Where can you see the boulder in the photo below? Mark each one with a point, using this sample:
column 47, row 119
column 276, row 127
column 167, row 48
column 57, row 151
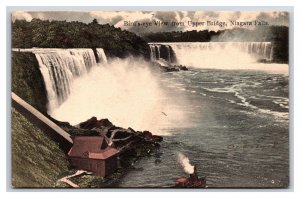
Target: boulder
column 105, row 123
column 89, row 124
column 157, row 138
column 147, row 135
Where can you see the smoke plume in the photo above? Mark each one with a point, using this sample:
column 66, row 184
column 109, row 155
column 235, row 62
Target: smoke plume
column 185, row 163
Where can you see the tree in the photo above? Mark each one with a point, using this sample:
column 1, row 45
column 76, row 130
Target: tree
column 95, row 21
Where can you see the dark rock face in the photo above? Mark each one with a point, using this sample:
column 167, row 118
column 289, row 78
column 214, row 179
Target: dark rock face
column 157, row 138
column 167, row 67
column 182, row 67
column 27, row 80
column 147, row 134
column 105, row 123
column 89, row 124
column 174, row 68
column 167, row 53
column 117, row 136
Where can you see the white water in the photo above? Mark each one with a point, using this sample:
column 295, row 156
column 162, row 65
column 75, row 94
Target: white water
column 210, row 54
column 155, row 52
column 101, row 55
column 223, row 55
column 60, row 67
column 125, row 91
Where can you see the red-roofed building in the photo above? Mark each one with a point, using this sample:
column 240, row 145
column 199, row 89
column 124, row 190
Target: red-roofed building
column 91, row 153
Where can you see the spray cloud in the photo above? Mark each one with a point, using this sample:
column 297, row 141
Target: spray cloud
column 125, row 91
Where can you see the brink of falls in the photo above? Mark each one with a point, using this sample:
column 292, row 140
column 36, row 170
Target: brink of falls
column 60, row 67
column 183, row 52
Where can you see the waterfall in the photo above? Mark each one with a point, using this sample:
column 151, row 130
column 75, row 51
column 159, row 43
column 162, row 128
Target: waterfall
column 101, row 55
column 155, row 51
column 192, row 54
column 162, row 51
column 127, row 92
column 60, row 67
column 260, row 49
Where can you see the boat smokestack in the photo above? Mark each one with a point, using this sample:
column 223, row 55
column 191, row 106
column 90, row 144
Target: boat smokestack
column 194, row 175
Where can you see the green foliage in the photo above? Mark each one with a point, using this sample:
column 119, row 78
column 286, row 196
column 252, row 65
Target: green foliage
column 27, row 80
column 37, row 161
column 281, row 43
column 62, row 34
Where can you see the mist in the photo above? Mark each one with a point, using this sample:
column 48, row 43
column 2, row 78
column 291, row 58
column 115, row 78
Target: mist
column 225, row 55
column 125, row 91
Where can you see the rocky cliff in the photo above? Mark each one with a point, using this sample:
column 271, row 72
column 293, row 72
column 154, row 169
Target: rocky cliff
column 27, row 80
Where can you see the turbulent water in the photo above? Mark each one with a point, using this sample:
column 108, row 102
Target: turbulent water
column 237, row 134
column 236, row 120
column 228, row 114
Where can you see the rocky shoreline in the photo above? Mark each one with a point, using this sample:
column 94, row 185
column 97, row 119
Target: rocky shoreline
column 174, row 68
column 168, row 67
column 132, row 146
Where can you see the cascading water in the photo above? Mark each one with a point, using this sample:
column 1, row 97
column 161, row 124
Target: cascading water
column 124, row 90
column 127, row 92
column 101, row 55
column 205, row 110
column 60, row 67
column 153, row 52
column 212, row 54
column 160, row 51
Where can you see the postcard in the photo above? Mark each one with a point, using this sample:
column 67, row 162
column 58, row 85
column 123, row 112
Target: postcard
column 150, row 99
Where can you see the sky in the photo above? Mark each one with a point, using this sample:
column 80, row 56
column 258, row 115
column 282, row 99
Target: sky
column 119, row 18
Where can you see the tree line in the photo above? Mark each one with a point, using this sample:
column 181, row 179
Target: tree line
column 63, row 34
column 121, row 43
